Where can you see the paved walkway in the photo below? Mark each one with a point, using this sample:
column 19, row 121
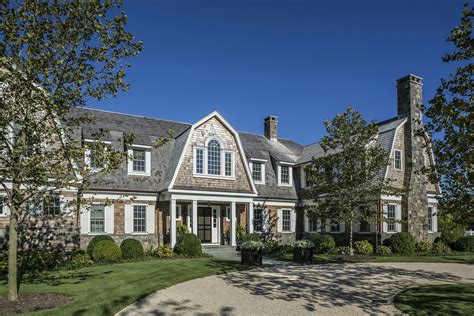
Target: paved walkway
column 329, row 289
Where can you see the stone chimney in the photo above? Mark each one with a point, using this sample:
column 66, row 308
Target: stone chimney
column 271, row 127
column 415, row 201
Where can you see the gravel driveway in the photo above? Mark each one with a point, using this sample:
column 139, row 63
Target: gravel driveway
column 328, row 289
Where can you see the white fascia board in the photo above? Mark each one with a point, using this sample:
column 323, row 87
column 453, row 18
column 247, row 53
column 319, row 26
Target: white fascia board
column 87, row 140
column 139, row 146
column 209, row 198
column 287, row 163
column 258, row 159
column 211, row 193
column 118, row 196
column 391, row 197
column 276, row 203
column 393, row 146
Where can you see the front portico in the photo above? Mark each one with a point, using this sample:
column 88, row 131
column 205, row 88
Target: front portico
column 209, row 216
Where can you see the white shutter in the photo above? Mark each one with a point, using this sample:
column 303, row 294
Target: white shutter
column 128, row 218
column 293, row 221
column 435, row 220
column 85, row 220
column 384, row 218
column 66, row 206
column 130, row 160
column 150, row 219
column 356, row 227
column 398, row 217
column 148, row 161
column 328, row 226
column 306, row 222
column 188, row 217
column 265, row 219
column 373, row 226
column 279, row 221
column 342, row 227
column 109, row 219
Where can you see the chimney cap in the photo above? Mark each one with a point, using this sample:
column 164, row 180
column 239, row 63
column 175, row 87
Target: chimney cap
column 412, row 78
column 271, row 118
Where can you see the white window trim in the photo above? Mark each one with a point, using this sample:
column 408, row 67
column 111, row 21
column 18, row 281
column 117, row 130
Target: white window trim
column 434, row 218
column 132, row 217
column 179, row 210
column 398, row 217
column 147, row 150
column 401, row 159
column 205, row 173
column 292, row 221
column 290, row 175
column 263, row 170
column 87, row 155
column 6, row 209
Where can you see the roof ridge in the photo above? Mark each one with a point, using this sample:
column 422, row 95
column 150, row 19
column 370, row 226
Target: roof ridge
column 134, row 115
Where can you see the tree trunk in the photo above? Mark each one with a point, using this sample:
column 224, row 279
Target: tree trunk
column 13, row 247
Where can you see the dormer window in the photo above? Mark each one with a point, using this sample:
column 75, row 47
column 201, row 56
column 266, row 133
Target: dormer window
column 93, row 157
column 213, row 160
column 285, row 174
column 257, row 168
column 139, row 160
column 398, row 159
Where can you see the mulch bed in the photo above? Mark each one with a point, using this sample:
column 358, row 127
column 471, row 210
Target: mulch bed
column 29, row 302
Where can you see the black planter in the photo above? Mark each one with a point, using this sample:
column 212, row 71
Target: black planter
column 303, row 255
column 251, row 257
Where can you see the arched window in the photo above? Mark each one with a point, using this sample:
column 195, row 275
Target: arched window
column 214, row 157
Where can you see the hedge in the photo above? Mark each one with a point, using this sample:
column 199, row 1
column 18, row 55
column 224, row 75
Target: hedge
column 188, row 245
column 131, row 249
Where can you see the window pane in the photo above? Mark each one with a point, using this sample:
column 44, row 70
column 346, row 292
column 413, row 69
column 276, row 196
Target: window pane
column 398, row 159
column 214, row 157
column 97, row 218
column 139, row 218
column 335, row 226
column 391, row 217
column 430, row 218
column 257, row 171
column 258, row 219
column 228, row 164
column 1, row 204
column 52, row 205
column 285, row 174
column 286, row 221
column 199, row 161
column 313, row 225
column 138, row 160
column 364, row 226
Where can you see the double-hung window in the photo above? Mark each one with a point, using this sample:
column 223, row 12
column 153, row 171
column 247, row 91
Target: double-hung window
column 335, row 227
column 391, row 217
column 398, row 160
column 139, row 218
column 286, row 220
column 364, row 226
column 258, row 219
column 139, row 160
column 199, row 161
column 97, row 218
column 430, row 218
column 312, row 225
column 257, row 171
column 52, row 205
column 285, row 174
column 228, row 163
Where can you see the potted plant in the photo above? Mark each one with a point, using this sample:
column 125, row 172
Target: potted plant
column 251, row 252
column 303, row 251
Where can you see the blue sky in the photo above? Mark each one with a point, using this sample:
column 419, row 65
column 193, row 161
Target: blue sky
column 303, row 61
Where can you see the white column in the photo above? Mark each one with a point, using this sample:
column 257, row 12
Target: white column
column 195, row 217
column 250, row 223
column 173, row 222
column 233, row 225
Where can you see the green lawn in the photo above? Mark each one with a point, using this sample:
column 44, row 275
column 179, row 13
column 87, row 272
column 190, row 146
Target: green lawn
column 107, row 289
column 466, row 258
column 451, row 299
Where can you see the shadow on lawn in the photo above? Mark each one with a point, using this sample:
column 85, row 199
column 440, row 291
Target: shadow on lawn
column 364, row 286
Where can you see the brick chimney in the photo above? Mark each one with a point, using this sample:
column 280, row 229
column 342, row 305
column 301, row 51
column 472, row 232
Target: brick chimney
column 415, row 201
column 271, row 127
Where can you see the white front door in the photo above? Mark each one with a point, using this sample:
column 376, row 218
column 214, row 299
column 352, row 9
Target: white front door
column 216, row 217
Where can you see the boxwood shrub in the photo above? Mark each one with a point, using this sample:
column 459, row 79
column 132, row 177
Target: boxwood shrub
column 106, row 251
column 94, row 241
column 131, row 249
column 363, row 247
column 323, row 243
column 383, row 251
column 465, row 243
column 79, row 258
column 188, row 245
column 401, row 243
column 440, row 248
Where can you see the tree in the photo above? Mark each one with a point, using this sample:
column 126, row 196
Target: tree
column 54, row 55
column 451, row 126
column 347, row 180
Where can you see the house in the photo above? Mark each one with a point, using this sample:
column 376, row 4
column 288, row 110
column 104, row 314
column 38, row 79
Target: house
column 212, row 179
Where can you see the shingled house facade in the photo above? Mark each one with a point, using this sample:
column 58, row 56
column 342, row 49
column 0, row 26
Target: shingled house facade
column 212, row 179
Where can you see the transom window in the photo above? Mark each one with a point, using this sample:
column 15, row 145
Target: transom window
column 257, row 171
column 286, row 220
column 52, row 205
column 139, row 218
column 391, row 210
column 285, row 174
column 398, row 159
column 139, row 160
column 214, row 157
column 430, row 218
column 258, row 219
column 97, row 218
